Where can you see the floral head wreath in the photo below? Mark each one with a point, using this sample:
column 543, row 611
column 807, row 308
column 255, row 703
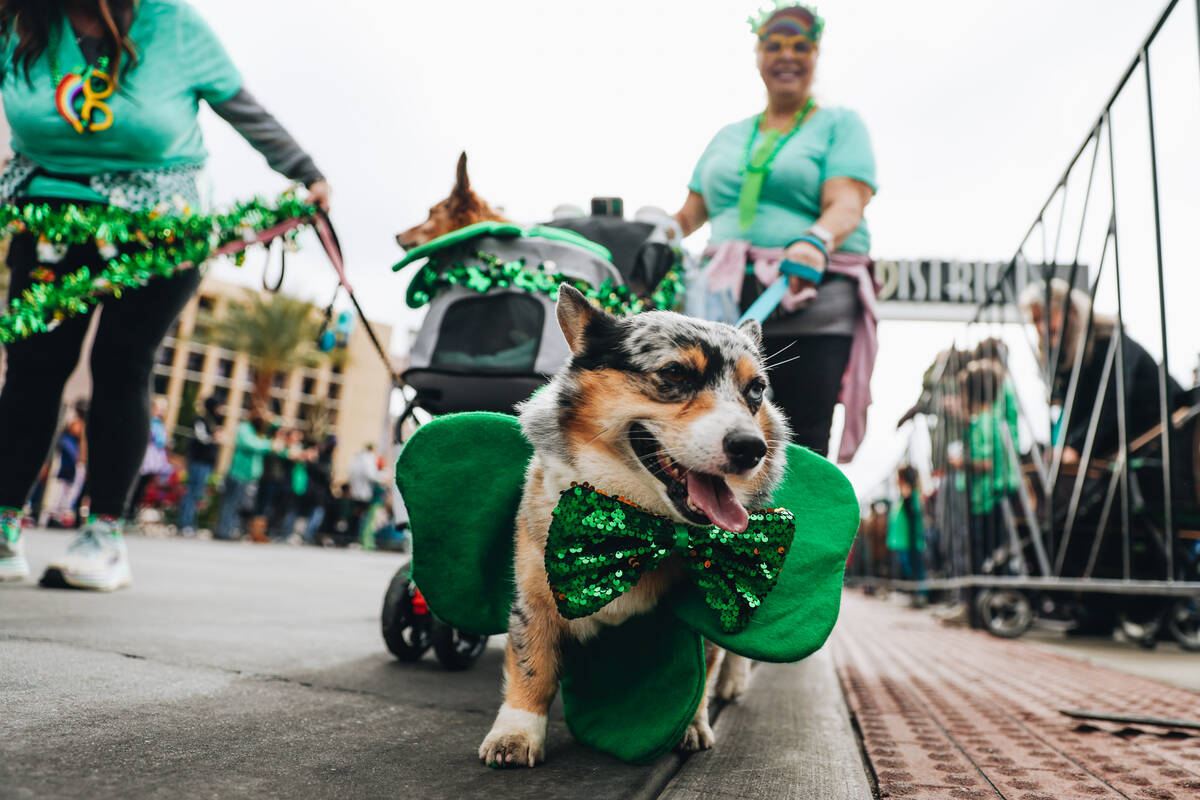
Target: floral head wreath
column 785, row 16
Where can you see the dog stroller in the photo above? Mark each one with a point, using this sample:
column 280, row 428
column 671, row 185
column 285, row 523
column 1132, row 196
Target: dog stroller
column 491, row 338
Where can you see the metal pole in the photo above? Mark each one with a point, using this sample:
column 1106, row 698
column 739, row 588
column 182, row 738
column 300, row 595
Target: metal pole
column 1085, row 457
column 1112, row 98
column 1120, row 333
column 1163, row 381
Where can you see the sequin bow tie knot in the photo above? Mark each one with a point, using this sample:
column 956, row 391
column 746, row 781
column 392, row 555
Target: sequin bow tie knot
column 598, row 547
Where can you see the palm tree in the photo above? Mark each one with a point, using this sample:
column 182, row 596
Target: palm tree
column 277, row 332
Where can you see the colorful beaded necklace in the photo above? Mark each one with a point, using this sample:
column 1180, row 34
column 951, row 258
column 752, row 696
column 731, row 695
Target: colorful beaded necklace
column 758, row 165
column 79, row 96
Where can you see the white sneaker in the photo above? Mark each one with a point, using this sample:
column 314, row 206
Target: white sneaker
column 13, row 566
column 97, row 560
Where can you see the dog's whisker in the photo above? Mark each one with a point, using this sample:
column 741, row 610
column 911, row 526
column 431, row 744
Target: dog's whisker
column 606, row 429
column 780, row 350
column 787, row 361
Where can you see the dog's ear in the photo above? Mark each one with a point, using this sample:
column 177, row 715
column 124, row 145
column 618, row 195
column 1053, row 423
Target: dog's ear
column 462, row 182
column 574, row 313
column 753, row 329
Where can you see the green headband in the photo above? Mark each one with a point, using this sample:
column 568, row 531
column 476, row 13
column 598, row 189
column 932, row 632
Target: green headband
column 784, row 16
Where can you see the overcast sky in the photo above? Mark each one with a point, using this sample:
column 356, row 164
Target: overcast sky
column 974, row 108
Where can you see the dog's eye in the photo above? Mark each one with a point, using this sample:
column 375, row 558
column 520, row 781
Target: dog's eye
column 754, row 392
column 673, row 373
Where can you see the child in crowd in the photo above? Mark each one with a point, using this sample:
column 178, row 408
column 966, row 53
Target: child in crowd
column 906, row 530
column 991, row 473
column 68, row 482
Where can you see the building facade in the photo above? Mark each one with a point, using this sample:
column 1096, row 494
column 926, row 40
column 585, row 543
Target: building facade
column 349, row 399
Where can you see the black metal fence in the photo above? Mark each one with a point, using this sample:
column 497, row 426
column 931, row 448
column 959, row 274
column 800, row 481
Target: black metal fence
column 1063, row 469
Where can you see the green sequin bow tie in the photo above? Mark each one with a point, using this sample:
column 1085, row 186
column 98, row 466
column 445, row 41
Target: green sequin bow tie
column 600, row 546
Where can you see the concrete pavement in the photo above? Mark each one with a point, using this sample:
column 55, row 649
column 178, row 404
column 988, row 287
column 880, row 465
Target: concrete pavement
column 238, row 670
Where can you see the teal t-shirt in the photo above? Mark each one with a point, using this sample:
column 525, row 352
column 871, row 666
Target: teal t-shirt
column 181, row 62
column 833, row 143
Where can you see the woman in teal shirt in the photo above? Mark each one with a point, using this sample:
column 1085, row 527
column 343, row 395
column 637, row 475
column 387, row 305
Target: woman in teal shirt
column 790, row 184
column 102, row 98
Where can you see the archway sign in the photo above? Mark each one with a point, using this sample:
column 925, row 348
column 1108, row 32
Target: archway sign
column 938, row 290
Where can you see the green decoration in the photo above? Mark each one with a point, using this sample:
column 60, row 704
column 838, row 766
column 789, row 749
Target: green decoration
column 498, row 274
column 757, row 166
column 800, row 612
column 608, row 685
column 500, row 230
column 145, row 245
column 463, row 558
column 762, row 16
column 599, row 547
column 634, row 707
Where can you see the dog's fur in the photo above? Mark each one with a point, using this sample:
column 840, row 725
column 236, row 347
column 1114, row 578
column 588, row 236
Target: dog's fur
column 462, row 208
column 688, row 384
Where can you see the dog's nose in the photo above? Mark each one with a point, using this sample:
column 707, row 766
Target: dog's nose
column 744, row 450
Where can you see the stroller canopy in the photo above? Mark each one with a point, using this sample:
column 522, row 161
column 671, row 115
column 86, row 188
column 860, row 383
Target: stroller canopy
column 491, row 336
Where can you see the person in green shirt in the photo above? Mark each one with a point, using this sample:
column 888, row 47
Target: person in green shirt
column 246, row 467
column 906, row 528
column 787, row 188
column 991, row 473
column 102, row 98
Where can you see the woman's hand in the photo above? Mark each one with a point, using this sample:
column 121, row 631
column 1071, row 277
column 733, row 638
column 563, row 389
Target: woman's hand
column 692, row 215
column 808, row 254
column 319, row 194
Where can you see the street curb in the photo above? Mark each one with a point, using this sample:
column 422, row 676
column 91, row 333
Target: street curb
column 793, row 727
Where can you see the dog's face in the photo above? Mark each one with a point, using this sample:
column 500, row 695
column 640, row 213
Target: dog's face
column 462, row 208
column 664, row 410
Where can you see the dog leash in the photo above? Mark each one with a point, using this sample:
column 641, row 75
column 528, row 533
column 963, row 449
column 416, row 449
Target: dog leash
column 772, row 296
column 333, row 249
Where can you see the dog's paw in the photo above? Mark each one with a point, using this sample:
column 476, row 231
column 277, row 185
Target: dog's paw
column 517, row 739
column 735, row 674
column 699, row 736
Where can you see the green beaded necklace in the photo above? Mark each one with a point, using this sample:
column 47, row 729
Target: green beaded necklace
column 757, row 166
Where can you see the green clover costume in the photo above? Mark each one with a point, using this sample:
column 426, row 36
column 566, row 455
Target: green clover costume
column 632, row 690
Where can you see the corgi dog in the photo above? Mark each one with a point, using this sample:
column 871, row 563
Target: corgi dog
column 667, row 412
column 462, row 208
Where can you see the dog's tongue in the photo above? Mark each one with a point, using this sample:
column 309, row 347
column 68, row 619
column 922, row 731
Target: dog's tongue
column 712, row 495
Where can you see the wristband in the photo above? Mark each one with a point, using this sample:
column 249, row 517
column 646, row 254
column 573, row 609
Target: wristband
column 801, row 271
column 822, row 233
column 809, row 238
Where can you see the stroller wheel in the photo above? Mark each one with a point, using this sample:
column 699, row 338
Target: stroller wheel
column 1141, row 630
column 1183, row 622
column 407, row 634
column 1004, row 612
column 457, row 650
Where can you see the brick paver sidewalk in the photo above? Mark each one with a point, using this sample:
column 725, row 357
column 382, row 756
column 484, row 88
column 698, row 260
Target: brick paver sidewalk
column 954, row 713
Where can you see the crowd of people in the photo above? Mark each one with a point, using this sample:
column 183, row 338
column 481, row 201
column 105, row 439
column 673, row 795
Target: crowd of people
column 974, row 474
column 972, row 515
column 278, row 486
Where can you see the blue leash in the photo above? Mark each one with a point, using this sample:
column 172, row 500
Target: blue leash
column 772, row 296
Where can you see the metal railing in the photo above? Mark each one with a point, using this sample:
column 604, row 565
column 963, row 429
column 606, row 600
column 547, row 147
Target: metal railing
column 1089, row 481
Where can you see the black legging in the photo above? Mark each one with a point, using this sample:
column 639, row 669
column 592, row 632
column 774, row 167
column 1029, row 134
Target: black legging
column 806, row 387
column 118, row 425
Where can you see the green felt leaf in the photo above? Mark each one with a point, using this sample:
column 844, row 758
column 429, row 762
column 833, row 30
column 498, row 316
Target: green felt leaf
column 632, row 690
column 799, row 613
column 461, row 477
